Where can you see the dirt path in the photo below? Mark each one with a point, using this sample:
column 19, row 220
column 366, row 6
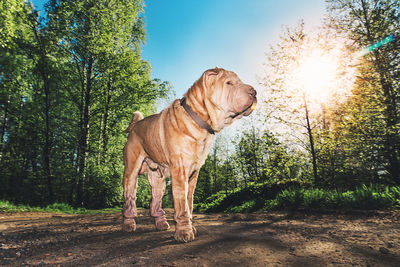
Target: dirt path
column 257, row 239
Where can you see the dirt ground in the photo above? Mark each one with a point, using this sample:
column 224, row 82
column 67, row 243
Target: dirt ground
column 256, row 239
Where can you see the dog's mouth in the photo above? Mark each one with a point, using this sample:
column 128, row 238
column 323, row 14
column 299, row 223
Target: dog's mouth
column 247, row 111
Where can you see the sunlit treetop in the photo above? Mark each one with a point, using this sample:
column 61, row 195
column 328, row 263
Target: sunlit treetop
column 320, row 70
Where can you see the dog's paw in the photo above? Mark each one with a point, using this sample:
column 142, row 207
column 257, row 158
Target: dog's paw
column 129, row 226
column 184, row 235
column 162, row 225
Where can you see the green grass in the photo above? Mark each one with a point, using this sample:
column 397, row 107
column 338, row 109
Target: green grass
column 362, row 198
column 6, row 206
column 247, row 199
column 286, row 195
column 281, row 196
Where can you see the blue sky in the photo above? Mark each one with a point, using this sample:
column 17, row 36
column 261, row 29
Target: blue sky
column 184, row 37
column 187, row 37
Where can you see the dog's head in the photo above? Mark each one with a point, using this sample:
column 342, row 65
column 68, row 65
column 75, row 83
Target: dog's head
column 223, row 97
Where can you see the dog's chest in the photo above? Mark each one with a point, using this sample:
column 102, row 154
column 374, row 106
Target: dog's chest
column 201, row 152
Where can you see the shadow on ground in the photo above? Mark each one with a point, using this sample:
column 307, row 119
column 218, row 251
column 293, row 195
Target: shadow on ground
column 256, row 239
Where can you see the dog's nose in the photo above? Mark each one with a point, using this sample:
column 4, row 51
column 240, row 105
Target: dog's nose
column 252, row 92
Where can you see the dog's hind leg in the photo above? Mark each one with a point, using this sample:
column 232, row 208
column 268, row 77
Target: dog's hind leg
column 157, row 182
column 133, row 160
column 192, row 186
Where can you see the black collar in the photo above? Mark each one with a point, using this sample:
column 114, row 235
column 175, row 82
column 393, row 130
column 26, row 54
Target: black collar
column 196, row 117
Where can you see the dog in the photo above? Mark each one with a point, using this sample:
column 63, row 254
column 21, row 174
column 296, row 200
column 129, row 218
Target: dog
column 175, row 143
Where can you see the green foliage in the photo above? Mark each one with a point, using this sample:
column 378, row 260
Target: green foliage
column 70, row 82
column 363, row 198
column 69, row 85
column 293, row 195
column 6, row 206
column 143, row 196
column 364, row 129
column 60, row 207
column 254, row 195
column 247, row 206
column 290, row 198
column 104, row 187
column 393, row 193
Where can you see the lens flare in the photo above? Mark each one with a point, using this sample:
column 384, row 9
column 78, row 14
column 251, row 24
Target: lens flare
column 375, row 46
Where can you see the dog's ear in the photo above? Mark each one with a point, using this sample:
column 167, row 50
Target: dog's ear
column 214, row 71
column 208, row 78
column 208, row 75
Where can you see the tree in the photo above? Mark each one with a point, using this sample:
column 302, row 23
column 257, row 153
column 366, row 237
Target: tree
column 251, row 156
column 352, row 150
column 307, row 71
column 69, row 85
column 367, row 22
column 104, row 42
column 289, row 105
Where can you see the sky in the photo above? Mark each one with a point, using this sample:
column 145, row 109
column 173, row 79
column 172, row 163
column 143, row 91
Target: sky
column 185, row 38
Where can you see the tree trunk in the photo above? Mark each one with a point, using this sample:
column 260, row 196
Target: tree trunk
column 310, row 136
column 84, row 134
column 255, row 150
column 44, row 72
column 47, row 143
column 243, row 169
column 105, row 121
column 215, row 170
column 4, row 126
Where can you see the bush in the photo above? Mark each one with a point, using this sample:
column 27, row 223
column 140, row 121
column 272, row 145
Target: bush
column 60, row 207
column 247, row 206
column 292, row 198
column 393, row 193
column 6, row 206
column 365, row 198
column 222, row 202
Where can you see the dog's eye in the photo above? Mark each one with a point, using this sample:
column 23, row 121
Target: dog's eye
column 229, row 82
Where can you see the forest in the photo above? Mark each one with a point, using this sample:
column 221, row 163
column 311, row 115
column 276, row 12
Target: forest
column 70, row 81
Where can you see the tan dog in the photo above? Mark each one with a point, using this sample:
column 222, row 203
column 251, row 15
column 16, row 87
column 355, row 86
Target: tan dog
column 176, row 143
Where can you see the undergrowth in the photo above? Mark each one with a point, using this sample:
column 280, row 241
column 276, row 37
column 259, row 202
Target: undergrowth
column 291, row 196
column 6, row 206
column 277, row 196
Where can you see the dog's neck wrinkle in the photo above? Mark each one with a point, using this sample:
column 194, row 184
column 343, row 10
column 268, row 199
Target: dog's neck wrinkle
column 192, row 99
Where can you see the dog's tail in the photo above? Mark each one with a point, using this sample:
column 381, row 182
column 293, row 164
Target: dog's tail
column 137, row 116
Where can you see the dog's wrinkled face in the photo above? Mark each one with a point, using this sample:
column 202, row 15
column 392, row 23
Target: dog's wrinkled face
column 229, row 94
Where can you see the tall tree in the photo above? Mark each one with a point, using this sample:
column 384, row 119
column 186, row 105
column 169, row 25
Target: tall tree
column 368, row 22
column 104, row 41
column 289, row 104
column 69, row 84
column 307, row 70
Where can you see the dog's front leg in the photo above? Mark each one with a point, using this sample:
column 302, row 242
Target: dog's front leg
column 180, row 190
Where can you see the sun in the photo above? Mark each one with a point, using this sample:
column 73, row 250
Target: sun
column 317, row 74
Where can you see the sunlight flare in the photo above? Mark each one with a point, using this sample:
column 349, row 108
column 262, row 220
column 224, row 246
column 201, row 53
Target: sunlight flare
column 317, row 73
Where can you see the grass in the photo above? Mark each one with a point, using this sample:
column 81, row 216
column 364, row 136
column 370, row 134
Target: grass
column 281, row 197
column 247, row 199
column 263, row 196
column 6, row 206
column 362, row 198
